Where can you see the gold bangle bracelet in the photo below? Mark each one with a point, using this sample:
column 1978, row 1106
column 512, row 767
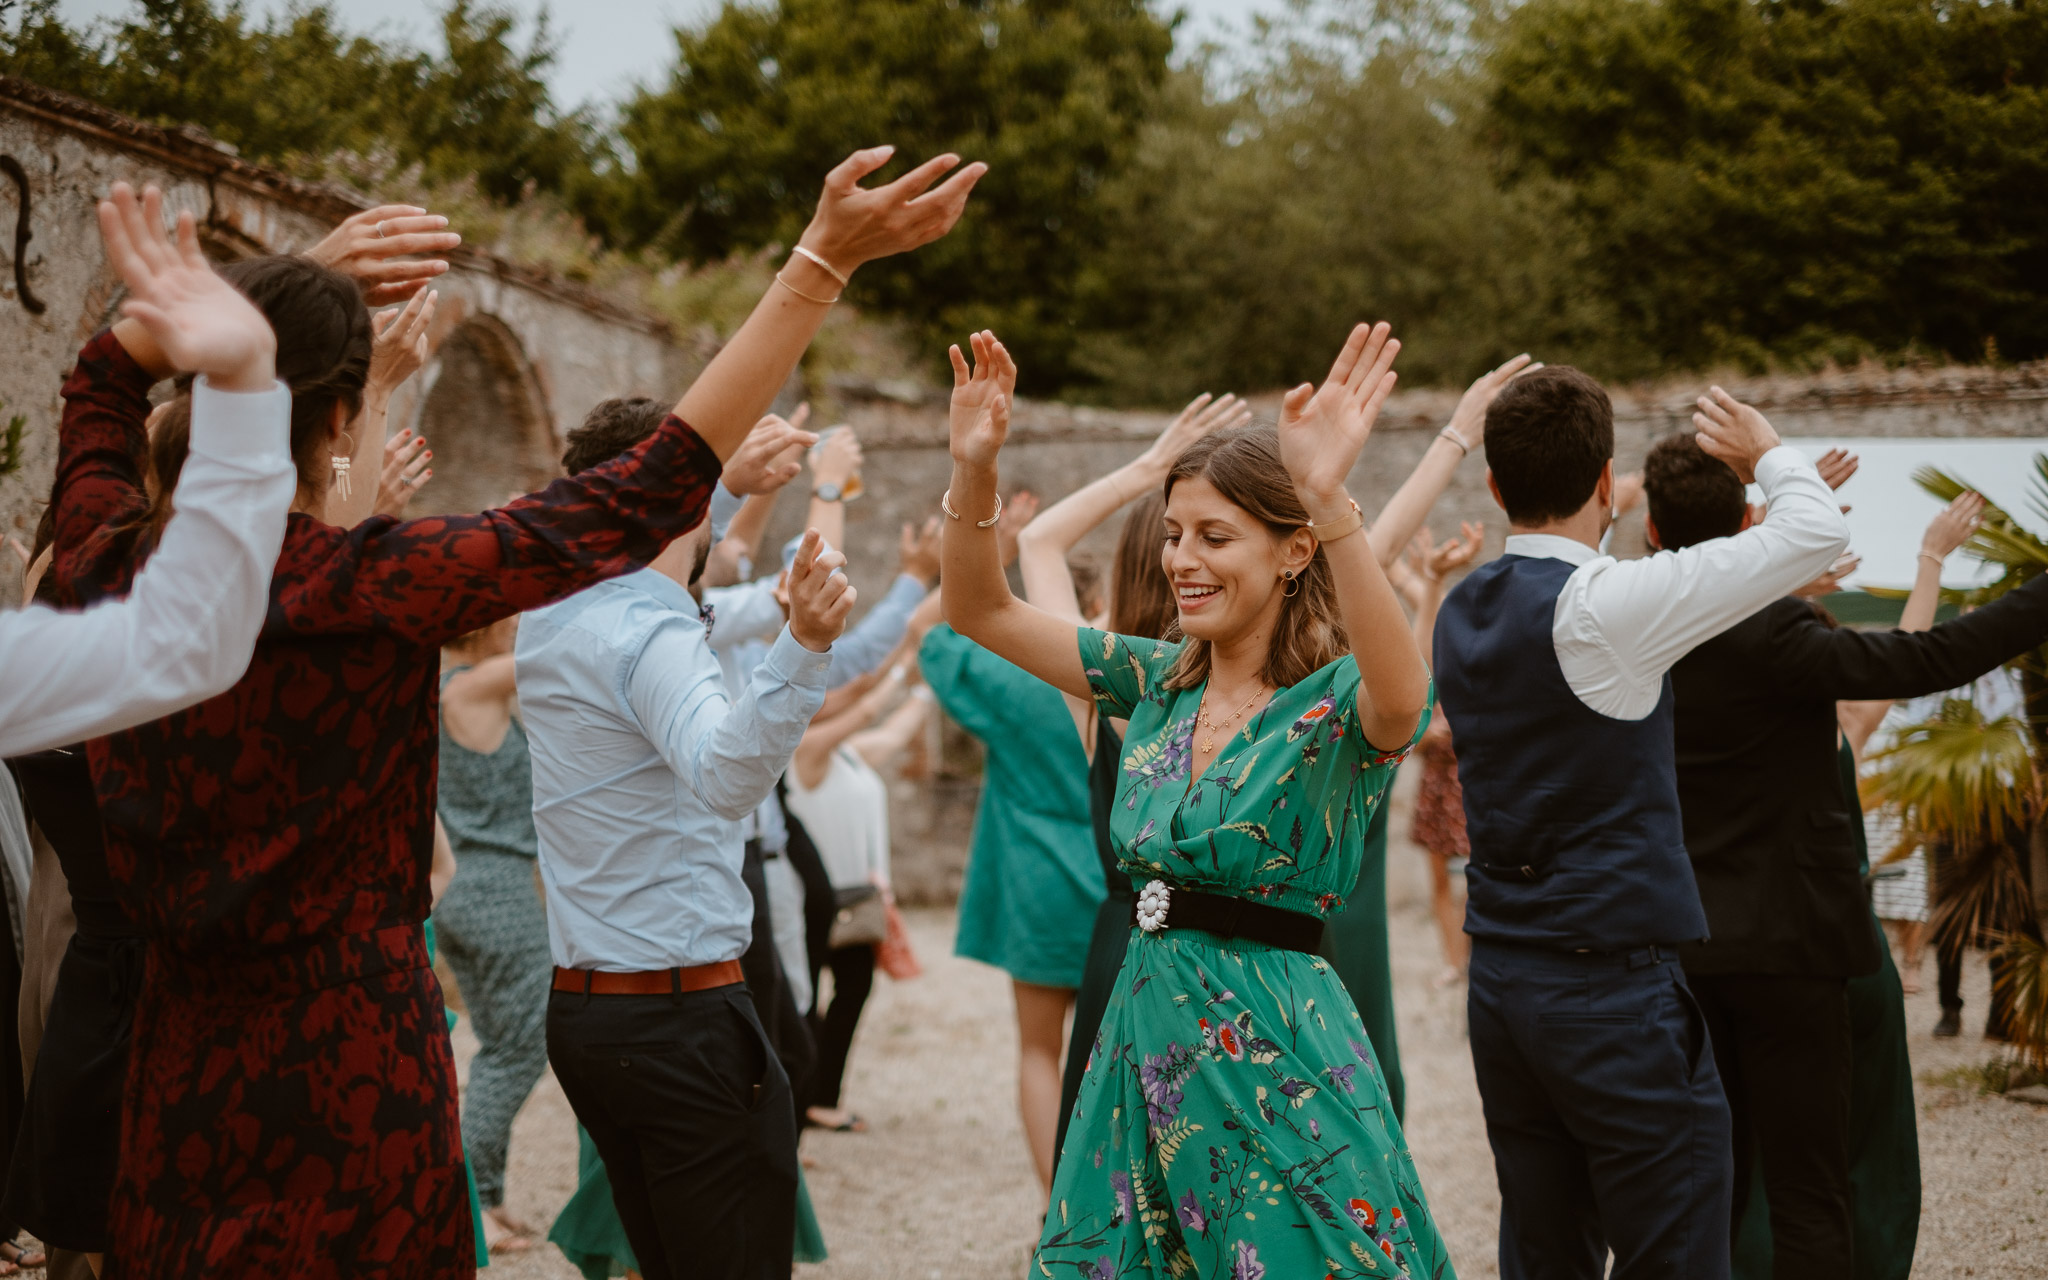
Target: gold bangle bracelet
column 946, row 505
column 822, row 265
column 807, row 297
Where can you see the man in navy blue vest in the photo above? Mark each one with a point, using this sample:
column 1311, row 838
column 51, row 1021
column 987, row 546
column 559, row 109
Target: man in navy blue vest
column 1602, row 1102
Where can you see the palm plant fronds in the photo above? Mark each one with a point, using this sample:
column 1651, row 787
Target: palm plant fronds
column 1957, row 777
column 2024, row 987
column 2000, row 540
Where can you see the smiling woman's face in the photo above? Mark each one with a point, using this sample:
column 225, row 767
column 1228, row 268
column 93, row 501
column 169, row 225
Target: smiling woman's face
column 1225, row 565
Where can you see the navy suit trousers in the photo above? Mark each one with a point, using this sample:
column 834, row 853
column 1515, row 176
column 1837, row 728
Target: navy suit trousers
column 1608, row 1124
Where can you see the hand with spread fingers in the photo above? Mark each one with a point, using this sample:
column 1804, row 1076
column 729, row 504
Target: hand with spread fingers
column 375, row 248
column 1202, row 416
column 198, row 322
column 820, row 597
column 771, row 456
column 1452, row 554
column 400, row 349
column 1322, row 429
column 1954, row 525
column 405, row 469
column 855, row 224
column 1734, row 432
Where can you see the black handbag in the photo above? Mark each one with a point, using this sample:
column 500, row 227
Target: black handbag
column 861, row 918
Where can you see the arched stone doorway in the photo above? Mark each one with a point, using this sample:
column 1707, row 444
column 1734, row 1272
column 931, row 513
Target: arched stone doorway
column 485, row 419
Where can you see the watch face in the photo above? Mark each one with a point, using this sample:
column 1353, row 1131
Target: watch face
column 826, row 493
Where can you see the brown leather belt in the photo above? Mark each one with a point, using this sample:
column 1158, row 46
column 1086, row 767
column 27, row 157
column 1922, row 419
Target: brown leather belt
column 658, row 982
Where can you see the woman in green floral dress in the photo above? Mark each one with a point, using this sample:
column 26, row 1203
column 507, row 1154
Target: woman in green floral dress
column 1233, row 1121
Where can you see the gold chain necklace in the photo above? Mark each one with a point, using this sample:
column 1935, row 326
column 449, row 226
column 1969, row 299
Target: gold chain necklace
column 1202, row 720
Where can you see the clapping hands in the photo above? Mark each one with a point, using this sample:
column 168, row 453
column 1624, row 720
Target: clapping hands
column 1323, row 428
column 199, row 322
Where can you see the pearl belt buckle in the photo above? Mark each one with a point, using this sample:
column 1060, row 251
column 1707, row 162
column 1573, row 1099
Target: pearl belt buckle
column 1152, row 903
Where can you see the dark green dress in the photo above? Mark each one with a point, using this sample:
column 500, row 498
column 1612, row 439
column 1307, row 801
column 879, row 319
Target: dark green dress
column 1233, row 1121
column 1355, row 943
column 1112, row 926
column 1884, row 1142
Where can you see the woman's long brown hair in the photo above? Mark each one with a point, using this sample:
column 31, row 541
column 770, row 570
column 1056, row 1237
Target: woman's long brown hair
column 1141, row 596
column 1244, row 465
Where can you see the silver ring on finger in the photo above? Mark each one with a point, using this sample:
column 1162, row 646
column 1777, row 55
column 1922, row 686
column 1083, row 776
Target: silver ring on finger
column 380, row 231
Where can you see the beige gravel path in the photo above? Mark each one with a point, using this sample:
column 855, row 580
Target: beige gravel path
column 940, row 1189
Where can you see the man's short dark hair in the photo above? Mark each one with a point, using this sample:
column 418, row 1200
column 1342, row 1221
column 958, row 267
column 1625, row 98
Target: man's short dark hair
column 1693, row 496
column 1548, row 435
column 612, row 428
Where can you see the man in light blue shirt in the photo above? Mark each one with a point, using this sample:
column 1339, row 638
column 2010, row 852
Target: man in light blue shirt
column 643, row 770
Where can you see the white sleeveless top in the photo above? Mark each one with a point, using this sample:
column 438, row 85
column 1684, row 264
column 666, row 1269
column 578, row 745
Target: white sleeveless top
column 847, row 814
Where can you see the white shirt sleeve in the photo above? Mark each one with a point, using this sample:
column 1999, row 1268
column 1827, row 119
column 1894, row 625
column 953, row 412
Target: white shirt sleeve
column 187, row 628
column 729, row 752
column 1621, row 624
column 747, row 611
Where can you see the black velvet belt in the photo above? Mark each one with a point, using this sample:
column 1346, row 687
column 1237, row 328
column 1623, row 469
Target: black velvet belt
column 1225, row 917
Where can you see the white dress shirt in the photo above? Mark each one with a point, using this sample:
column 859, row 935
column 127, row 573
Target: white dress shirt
column 1620, row 625
column 643, row 768
column 185, row 631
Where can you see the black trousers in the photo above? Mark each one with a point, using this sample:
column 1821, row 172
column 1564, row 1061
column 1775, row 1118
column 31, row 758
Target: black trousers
column 1948, row 964
column 692, row 1113
column 853, row 977
column 1784, row 1050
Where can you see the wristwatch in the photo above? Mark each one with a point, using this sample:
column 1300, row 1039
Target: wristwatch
column 827, row 492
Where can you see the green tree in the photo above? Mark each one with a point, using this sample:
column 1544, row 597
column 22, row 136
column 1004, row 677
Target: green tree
column 1340, row 182
column 765, row 98
column 299, row 91
column 1789, row 179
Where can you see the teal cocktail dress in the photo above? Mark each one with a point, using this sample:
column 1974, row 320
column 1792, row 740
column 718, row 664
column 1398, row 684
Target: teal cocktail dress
column 1033, row 882
column 1233, row 1121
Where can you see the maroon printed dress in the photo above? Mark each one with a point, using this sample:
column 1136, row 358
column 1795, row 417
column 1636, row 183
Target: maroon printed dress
column 291, row 1103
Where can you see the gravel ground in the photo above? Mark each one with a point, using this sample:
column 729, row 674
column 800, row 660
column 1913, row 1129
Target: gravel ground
column 940, row 1188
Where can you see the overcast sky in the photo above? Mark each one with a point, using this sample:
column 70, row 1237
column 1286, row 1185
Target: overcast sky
column 607, row 45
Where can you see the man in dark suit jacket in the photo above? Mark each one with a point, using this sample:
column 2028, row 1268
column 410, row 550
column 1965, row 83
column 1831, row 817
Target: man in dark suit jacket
column 1768, row 829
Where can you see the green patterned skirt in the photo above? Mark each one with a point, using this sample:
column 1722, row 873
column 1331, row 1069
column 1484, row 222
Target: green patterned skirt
column 1233, row 1122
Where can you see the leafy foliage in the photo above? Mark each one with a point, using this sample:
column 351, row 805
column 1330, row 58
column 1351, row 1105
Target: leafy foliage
column 298, row 91
column 765, row 98
column 1763, row 180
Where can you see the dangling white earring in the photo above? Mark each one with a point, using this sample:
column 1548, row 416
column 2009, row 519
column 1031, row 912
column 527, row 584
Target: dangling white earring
column 341, row 465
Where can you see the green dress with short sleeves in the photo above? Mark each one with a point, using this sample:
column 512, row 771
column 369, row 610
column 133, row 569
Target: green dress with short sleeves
column 1233, row 1121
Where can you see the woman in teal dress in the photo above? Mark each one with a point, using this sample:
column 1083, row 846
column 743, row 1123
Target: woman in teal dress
column 1032, row 879
column 1233, row 1121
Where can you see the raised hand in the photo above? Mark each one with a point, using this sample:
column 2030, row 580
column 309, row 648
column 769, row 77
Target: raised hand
column 198, row 321
column 1202, row 416
column 405, row 469
column 772, row 454
column 1019, row 511
column 1733, row 432
column 1323, row 428
column 819, row 595
column 368, row 248
column 1836, row 466
column 1831, row 581
column 1953, row 525
column 920, row 551
column 1468, row 420
column 856, row 224
column 401, row 344
column 839, row 461
column 1455, row 553
column 980, row 417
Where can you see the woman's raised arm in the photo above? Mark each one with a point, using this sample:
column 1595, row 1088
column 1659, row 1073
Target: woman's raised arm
column 972, row 589
column 1322, row 430
column 853, row 225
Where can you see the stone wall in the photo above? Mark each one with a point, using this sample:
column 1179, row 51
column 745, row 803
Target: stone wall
column 523, row 354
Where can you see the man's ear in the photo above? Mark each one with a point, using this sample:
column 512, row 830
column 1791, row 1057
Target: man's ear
column 1603, row 488
column 1494, row 489
column 1650, row 534
column 1751, row 513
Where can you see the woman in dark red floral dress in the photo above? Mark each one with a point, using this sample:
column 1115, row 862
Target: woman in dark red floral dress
column 292, row 1095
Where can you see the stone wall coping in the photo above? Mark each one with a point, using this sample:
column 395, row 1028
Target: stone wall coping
column 191, row 148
